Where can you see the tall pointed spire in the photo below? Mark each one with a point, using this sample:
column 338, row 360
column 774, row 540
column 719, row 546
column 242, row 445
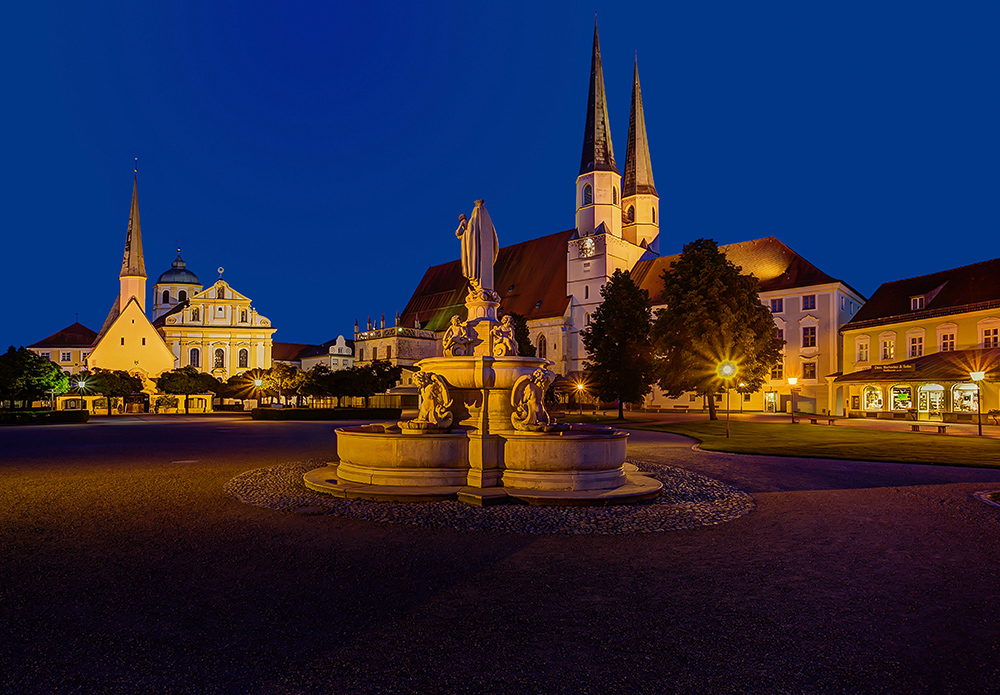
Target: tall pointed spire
column 638, row 178
column 598, row 154
column 132, row 262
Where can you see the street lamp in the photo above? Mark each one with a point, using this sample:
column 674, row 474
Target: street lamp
column 726, row 371
column 978, row 378
column 792, row 380
column 579, row 396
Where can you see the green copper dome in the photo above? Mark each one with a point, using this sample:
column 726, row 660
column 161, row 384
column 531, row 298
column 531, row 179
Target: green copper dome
column 178, row 274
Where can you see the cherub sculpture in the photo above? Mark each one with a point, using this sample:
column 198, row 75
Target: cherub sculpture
column 435, row 403
column 504, row 343
column 456, row 338
column 528, row 399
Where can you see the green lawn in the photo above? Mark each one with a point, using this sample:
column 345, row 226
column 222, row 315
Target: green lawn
column 819, row 441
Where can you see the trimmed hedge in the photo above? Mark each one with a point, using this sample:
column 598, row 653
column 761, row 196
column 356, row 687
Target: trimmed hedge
column 42, row 417
column 327, row 413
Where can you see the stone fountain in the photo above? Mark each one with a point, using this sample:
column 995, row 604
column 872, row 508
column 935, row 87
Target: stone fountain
column 482, row 432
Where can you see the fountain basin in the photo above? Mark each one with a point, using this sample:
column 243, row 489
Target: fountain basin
column 370, row 455
column 482, row 372
column 575, row 459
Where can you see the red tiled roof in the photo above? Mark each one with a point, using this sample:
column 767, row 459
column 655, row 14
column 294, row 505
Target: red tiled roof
column 288, row 352
column 75, row 335
column 775, row 265
column 946, row 292
column 530, row 278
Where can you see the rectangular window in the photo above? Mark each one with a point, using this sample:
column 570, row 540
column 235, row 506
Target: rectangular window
column 693, row 398
column 123, row 340
column 808, row 370
column 780, row 334
column 991, row 337
column 66, row 357
column 862, row 352
column 808, row 301
column 947, row 342
column 746, row 397
column 388, row 352
column 143, row 341
column 374, row 353
column 809, row 336
column 888, row 349
column 778, row 371
column 46, row 355
column 777, row 306
column 916, row 303
column 916, row 346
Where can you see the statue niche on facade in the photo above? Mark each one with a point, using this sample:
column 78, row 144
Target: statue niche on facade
column 435, row 404
column 528, row 399
column 456, row 339
column 504, row 342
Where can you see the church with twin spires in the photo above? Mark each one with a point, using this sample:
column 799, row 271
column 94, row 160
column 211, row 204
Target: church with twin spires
column 555, row 280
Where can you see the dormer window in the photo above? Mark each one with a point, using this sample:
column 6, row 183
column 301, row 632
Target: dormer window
column 916, row 303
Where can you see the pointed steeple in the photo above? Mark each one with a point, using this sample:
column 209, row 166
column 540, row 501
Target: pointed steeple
column 132, row 262
column 638, row 178
column 598, row 154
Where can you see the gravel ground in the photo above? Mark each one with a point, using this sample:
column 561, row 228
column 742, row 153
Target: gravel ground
column 688, row 500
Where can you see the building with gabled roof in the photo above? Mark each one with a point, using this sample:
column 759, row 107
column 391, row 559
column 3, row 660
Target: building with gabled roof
column 68, row 348
column 555, row 280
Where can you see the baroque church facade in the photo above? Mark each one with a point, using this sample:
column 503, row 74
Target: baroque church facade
column 214, row 329
column 555, row 280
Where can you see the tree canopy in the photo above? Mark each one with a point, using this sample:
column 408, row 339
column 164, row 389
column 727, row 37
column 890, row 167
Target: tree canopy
column 110, row 383
column 188, row 381
column 713, row 314
column 27, row 376
column 621, row 361
column 522, row 335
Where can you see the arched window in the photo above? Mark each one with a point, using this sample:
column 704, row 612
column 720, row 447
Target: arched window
column 614, row 195
column 166, row 296
column 244, row 358
column 195, row 357
column 872, row 397
column 243, row 316
column 220, row 358
column 220, row 293
column 588, row 195
column 195, row 315
column 182, row 295
column 630, row 214
column 964, row 398
column 542, row 346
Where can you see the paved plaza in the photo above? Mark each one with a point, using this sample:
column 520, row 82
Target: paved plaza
column 125, row 567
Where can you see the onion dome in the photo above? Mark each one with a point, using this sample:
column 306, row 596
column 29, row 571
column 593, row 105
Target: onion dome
column 178, row 274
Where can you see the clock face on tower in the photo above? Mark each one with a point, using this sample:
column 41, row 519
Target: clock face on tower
column 588, row 248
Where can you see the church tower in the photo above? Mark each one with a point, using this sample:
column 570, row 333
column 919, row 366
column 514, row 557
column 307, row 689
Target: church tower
column 598, row 187
column 133, row 275
column 640, row 203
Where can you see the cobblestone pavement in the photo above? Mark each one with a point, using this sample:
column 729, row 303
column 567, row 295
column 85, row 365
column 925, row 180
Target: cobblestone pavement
column 126, row 567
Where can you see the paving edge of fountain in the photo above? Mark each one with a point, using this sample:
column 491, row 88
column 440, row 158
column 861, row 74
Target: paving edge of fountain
column 688, row 500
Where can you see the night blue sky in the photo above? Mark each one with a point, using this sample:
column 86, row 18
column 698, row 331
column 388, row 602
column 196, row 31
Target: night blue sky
column 322, row 152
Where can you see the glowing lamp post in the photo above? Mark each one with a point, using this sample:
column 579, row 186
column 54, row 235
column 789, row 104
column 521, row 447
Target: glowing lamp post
column 726, row 371
column 580, row 388
column 978, row 378
column 792, row 381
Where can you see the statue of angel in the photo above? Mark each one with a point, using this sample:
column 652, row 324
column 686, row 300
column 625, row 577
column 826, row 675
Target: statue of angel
column 528, row 399
column 456, row 338
column 504, row 343
column 435, row 401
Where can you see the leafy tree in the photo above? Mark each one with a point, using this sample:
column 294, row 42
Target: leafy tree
column 522, row 336
column 621, row 361
column 187, row 381
column 27, row 376
column 285, row 380
column 713, row 313
column 111, row 384
column 386, row 375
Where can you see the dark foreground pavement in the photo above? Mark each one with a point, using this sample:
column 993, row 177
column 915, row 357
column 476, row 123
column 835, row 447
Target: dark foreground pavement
column 125, row 568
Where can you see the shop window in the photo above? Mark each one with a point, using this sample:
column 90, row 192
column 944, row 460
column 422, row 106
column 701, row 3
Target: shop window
column 916, row 346
column 947, row 342
column 588, row 195
column 244, row 358
column 777, row 306
column 808, row 301
column 991, row 337
column 220, row 358
column 808, row 336
column 901, row 397
column 872, row 396
column 195, row 357
column 808, row 370
column 778, row 371
column 930, row 399
column 965, row 398
column 888, row 349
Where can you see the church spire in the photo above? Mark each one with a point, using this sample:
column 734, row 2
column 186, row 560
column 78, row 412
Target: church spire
column 638, row 168
column 598, row 154
column 132, row 262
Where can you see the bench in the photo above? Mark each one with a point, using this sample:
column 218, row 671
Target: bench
column 815, row 420
column 941, row 429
